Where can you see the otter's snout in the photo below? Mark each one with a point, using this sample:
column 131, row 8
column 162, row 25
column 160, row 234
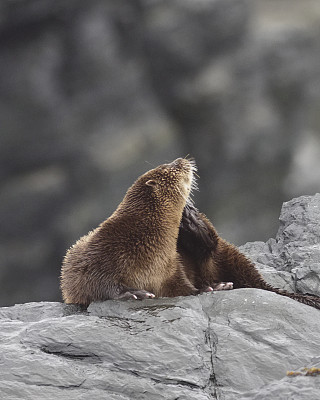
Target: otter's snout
column 177, row 161
column 180, row 163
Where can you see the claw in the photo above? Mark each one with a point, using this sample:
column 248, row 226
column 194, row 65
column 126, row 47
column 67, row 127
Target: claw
column 223, row 286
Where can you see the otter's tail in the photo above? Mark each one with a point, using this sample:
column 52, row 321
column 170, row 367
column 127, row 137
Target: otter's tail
column 310, row 300
column 239, row 269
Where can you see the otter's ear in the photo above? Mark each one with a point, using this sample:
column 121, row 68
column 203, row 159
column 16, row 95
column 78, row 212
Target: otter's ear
column 151, row 183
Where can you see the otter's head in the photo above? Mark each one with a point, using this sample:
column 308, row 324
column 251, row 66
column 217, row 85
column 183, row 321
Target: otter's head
column 165, row 188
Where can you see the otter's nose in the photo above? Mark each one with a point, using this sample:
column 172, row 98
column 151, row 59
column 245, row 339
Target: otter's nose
column 177, row 162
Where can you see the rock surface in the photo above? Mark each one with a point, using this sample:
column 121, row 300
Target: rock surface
column 224, row 345
column 214, row 346
column 292, row 259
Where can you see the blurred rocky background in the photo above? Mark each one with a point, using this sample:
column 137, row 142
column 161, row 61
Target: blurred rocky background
column 94, row 93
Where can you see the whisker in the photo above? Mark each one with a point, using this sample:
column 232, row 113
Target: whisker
column 190, row 201
column 198, row 176
column 189, row 158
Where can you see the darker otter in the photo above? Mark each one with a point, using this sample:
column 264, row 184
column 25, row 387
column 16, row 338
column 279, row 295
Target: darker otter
column 133, row 254
column 208, row 258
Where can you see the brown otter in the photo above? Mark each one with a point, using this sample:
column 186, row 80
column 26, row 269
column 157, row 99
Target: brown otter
column 208, row 258
column 133, row 254
column 158, row 244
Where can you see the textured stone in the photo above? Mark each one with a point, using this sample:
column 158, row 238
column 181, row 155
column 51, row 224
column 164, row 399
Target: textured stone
column 220, row 345
column 292, row 260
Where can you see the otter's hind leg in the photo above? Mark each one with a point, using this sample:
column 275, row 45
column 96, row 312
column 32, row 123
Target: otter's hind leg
column 236, row 267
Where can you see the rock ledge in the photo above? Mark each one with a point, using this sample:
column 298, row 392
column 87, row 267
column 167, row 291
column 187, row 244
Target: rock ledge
column 231, row 345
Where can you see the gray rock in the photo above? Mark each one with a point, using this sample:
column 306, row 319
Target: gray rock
column 222, row 345
column 292, row 260
column 225, row 345
column 304, row 388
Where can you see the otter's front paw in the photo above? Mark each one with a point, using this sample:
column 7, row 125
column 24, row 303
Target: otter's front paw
column 223, row 286
column 206, row 289
column 136, row 295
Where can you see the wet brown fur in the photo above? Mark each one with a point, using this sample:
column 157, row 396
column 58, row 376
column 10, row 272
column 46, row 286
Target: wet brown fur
column 208, row 259
column 135, row 249
column 156, row 242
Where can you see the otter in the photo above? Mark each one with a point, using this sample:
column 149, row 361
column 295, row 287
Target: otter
column 133, row 254
column 157, row 244
column 208, row 258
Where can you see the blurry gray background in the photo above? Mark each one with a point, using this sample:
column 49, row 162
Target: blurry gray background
column 94, row 93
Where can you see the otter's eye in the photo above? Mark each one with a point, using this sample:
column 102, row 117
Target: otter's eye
column 151, row 183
